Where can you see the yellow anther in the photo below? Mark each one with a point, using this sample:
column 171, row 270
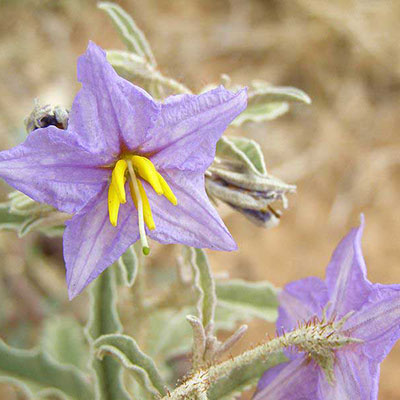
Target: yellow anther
column 148, row 172
column 113, row 205
column 167, row 190
column 118, row 179
column 147, row 214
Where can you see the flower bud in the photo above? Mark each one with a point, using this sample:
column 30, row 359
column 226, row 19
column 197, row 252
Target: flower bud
column 46, row 115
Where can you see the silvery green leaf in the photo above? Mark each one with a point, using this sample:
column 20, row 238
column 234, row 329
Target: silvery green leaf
column 103, row 320
column 242, row 378
column 138, row 391
column 169, row 333
column 63, row 339
column 263, row 93
column 21, row 204
column 23, row 224
column 135, row 69
column 127, row 352
column 252, row 150
column 128, row 266
column 266, row 102
column 53, row 231
column 204, row 284
column 131, row 66
column 131, row 35
column 10, row 221
column 28, row 225
column 245, row 152
column 23, row 215
column 261, row 112
column 227, row 319
column 249, row 299
column 38, row 374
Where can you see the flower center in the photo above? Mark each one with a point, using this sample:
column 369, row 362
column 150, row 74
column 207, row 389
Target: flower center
column 132, row 168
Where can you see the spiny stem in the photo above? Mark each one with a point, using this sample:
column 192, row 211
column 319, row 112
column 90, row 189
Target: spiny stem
column 317, row 338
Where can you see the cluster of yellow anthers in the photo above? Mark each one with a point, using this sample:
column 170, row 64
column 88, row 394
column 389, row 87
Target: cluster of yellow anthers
column 135, row 167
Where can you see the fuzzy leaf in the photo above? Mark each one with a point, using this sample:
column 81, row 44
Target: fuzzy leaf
column 249, row 299
column 10, row 221
column 204, row 284
column 126, row 350
column 21, row 204
column 23, row 215
column 104, row 320
column 131, row 35
column 131, row 66
column 28, row 225
column 128, row 266
column 38, row 374
column 24, row 224
column 242, row 378
column 264, row 93
column 169, row 333
column 63, row 339
column 227, row 319
column 245, row 151
column 266, row 102
column 136, row 69
column 261, row 112
column 253, row 151
column 138, row 391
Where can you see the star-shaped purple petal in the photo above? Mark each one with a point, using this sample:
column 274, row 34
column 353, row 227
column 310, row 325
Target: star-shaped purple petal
column 111, row 117
column 374, row 318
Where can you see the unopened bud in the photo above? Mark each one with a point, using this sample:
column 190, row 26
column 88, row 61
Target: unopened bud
column 46, row 115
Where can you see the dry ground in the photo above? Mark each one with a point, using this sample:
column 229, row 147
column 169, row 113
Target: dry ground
column 342, row 152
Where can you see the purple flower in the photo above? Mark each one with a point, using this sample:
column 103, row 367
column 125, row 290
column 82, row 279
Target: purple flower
column 372, row 316
column 119, row 141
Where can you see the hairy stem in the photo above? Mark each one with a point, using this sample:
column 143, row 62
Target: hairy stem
column 317, row 338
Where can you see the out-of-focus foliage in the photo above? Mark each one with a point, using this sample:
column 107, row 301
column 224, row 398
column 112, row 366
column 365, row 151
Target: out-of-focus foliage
column 345, row 54
column 250, row 299
column 39, row 375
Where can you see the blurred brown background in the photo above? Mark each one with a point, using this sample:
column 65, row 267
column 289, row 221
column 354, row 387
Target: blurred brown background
column 343, row 151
